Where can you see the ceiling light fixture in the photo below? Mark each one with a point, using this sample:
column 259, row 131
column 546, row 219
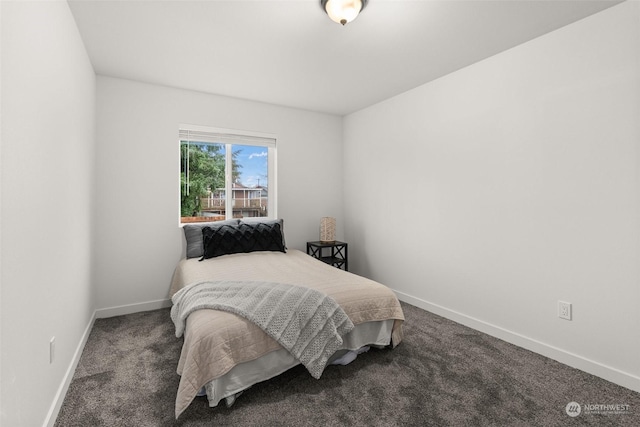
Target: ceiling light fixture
column 343, row 11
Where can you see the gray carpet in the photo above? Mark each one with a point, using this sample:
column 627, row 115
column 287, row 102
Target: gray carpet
column 443, row 374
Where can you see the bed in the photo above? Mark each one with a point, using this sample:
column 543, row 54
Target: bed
column 223, row 352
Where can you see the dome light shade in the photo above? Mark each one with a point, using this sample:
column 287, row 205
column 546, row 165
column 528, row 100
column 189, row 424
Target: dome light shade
column 343, row 11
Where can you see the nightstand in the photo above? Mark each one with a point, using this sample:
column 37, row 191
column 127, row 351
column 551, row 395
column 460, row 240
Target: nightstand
column 333, row 253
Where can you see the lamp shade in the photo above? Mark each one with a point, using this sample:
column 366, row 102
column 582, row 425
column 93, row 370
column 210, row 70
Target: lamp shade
column 328, row 229
column 343, row 11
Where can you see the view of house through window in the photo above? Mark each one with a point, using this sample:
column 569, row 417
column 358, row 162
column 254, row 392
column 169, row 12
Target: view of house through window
column 225, row 176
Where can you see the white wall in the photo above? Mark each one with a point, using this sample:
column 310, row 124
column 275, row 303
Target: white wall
column 137, row 238
column 492, row 193
column 48, row 106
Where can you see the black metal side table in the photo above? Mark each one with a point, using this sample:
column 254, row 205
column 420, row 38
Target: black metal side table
column 333, row 253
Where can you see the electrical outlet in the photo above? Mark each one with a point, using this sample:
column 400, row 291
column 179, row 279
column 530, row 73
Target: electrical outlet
column 52, row 349
column 564, row 310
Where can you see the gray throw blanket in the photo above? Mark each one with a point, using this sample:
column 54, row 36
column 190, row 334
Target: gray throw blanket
column 306, row 322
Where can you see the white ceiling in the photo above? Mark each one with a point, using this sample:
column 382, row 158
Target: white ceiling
column 289, row 53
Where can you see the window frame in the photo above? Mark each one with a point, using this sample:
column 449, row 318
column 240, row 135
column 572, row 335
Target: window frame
column 230, row 138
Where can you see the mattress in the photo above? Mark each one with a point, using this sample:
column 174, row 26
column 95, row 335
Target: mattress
column 227, row 353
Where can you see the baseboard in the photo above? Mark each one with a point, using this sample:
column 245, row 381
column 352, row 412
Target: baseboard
column 58, row 399
column 608, row 373
column 120, row 310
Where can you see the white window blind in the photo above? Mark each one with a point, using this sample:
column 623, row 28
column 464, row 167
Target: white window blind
column 225, row 136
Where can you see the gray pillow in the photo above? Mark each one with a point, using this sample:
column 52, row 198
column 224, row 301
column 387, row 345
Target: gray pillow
column 193, row 235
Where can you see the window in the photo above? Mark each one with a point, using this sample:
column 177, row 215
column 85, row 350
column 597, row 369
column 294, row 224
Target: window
column 226, row 174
